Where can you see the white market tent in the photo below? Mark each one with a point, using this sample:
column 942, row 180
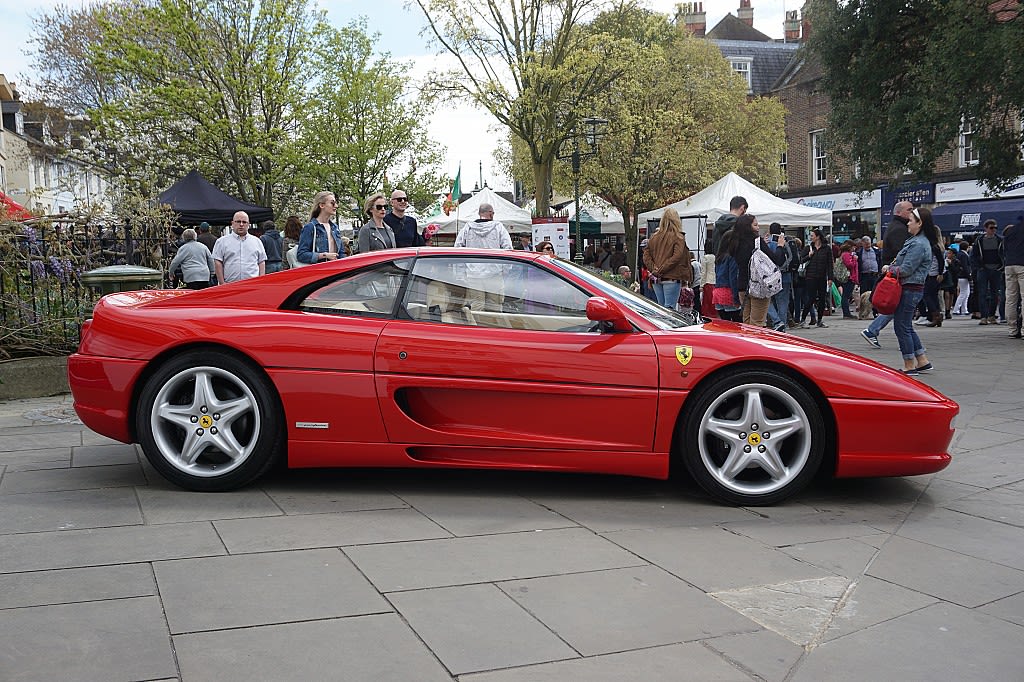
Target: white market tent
column 713, row 202
column 505, row 212
column 599, row 211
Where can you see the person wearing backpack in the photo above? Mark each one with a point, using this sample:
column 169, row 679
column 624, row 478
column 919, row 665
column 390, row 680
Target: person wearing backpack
column 748, row 241
column 818, row 256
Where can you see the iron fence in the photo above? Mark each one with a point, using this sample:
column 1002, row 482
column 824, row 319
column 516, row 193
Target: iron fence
column 43, row 300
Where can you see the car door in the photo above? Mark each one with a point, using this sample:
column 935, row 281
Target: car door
column 516, row 367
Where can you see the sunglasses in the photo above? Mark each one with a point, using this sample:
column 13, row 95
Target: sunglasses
column 402, row 199
column 380, row 207
column 548, row 248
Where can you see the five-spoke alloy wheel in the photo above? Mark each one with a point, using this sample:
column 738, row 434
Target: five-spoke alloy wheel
column 753, row 437
column 207, row 421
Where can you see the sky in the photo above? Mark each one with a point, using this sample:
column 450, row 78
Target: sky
column 469, row 134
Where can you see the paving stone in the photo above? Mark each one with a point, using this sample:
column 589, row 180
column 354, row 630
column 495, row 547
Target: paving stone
column 82, row 478
column 314, row 497
column 174, row 505
column 606, row 611
column 936, row 571
column 938, row 642
column 45, row 588
column 767, row 655
column 28, row 460
column 1010, row 609
column 624, row 513
column 714, row 558
column 65, row 510
column 871, row 601
column 657, row 664
column 121, row 639
column 326, row 530
column 104, row 455
column 469, row 514
column 977, row 537
column 106, row 546
column 812, row 527
column 986, row 467
column 490, row 632
column 847, row 558
column 260, row 589
column 464, row 561
column 92, row 438
column 1005, row 505
column 33, row 440
column 365, row 648
column 799, row 610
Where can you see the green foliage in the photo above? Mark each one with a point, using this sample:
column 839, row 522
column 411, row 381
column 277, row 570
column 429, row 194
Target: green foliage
column 360, row 131
column 902, row 77
column 528, row 63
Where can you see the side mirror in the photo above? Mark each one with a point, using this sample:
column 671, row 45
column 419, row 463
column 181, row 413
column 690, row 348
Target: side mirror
column 603, row 310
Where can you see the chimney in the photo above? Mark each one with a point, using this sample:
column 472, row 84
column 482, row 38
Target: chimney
column 694, row 18
column 746, row 13
column 805, row 26
column 791, row 27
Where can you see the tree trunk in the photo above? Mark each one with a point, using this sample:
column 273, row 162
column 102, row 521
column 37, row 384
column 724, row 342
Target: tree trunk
column 542, row 181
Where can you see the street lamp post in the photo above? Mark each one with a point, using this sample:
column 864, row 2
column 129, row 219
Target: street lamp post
column 592, row 130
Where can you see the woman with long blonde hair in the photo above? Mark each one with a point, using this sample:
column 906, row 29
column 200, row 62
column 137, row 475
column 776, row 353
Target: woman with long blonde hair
column 667, row 258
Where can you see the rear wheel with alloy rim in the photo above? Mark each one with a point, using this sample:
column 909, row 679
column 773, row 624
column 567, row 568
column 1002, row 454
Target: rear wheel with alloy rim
column 753, row 437
column 208, row 421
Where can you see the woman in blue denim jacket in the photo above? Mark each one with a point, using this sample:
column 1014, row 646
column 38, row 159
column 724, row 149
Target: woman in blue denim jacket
column 314, row 244
column 911, row 268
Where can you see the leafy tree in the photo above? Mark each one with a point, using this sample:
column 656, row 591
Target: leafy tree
column 361, row 131
column 526, row 62
column 903, row 77
column 679, row 119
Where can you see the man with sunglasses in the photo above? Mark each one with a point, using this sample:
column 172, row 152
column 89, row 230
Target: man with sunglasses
column 404, row 226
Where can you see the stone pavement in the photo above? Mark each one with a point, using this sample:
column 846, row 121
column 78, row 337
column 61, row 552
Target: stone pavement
column 109, row 573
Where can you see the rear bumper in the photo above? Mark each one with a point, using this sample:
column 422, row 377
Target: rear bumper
column 893, row 438
column 102, row 389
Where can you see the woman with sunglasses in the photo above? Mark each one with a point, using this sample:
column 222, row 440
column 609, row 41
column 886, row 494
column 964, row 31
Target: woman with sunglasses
column 911, row 268
column 546, row 247
column 320, row 239
column 375, row 234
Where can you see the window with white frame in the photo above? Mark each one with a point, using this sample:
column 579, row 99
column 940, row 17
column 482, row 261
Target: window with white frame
column 969, row 155
column 783, row 170
column 819, row 162
column 743, row 67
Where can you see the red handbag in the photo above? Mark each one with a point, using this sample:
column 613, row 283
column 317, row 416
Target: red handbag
column 886, row 297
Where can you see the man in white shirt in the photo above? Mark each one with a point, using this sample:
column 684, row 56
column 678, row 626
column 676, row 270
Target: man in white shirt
column 237, row 255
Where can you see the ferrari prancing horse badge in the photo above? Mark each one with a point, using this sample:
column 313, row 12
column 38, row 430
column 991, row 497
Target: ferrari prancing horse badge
column 684, row 354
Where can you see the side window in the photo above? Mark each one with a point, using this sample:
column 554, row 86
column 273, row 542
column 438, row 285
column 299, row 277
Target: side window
column 494, row 292
column 371, row 292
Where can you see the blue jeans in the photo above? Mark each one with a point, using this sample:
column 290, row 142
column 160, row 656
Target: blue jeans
column 988, row 291
column 903, row 325
column 847, row 295
column 667, row 293
column 778, row 309
column 878, row 324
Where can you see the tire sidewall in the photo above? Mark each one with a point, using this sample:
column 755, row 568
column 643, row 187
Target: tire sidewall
column 688, row 443
column 267, row 440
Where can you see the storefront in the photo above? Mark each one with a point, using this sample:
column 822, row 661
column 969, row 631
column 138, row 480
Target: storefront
column 964, row 207
column 853, row 214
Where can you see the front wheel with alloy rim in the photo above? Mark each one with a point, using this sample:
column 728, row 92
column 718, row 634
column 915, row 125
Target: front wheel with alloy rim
column 208, row 421
column 753, row 437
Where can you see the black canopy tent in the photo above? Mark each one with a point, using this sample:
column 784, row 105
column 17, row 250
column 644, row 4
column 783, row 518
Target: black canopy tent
column 969, row 216
column 195, row 200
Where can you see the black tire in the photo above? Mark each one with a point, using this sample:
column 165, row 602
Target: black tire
column 752, row 437
column 208, row 421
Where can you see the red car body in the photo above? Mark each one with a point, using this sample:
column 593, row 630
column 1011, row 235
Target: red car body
column 382, row 391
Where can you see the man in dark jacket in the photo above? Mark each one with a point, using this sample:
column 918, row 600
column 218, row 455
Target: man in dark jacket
column 272, row 243
column 987, row 265
column 206, row 238
column 404, row 226
column 737, row 207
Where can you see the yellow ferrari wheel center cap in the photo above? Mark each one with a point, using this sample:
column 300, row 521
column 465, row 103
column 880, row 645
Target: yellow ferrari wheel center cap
column 206, row 421
column 754, row 439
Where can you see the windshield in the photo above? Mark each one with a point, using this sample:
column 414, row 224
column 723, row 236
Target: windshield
column 663, row 318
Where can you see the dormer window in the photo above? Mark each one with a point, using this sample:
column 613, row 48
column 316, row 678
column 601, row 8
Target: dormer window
column 743, row 66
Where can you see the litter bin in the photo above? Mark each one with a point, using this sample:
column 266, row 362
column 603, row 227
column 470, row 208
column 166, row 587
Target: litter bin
column 114, row 278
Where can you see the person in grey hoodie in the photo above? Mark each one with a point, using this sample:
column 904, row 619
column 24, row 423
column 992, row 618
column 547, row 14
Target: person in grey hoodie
column 195, row 261
column 485, row 285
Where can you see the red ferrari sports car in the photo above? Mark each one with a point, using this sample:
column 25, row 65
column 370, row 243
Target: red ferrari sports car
column 439, row 357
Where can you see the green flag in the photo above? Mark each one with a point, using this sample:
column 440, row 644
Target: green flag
column 457, row 187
